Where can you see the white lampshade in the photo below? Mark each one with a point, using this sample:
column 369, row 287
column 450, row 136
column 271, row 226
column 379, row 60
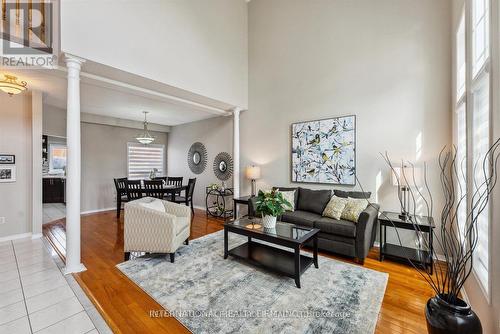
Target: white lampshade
column 407, row 175
column 253, row 172
column 397, row 176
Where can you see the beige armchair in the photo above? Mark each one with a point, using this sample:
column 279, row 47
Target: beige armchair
column 152, row 231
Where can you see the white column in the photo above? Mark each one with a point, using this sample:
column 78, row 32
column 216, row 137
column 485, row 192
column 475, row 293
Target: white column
column 73, row 169
column 236, row 152
column 36, row 142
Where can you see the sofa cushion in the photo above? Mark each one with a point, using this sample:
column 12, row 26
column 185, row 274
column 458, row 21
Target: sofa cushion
column 353, row 209
column 298, row 217
column 338, row 227
column 352, row 194
column 295, row 196
column 335, row 207
column 289, row 196
column 313, row 200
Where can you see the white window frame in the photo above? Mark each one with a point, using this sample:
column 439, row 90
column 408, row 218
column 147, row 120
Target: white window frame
column 164, row 159
column 474, row 75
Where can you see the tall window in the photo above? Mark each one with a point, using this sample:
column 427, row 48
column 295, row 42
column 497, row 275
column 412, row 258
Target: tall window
column 480, row 87
column 144, row 159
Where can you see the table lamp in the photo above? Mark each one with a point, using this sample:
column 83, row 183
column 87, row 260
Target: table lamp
column 253, row 173
column 400, row 175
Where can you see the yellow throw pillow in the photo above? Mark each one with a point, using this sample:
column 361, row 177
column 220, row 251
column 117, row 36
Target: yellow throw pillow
column 290, row 197
column 353, row 209
column 335, row 207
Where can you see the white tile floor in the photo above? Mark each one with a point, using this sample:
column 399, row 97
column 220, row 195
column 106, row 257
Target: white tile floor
column 53, row 211
column 35, row 297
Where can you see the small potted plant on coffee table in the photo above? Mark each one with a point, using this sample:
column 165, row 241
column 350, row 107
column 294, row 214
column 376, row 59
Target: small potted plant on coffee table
column 271, row 204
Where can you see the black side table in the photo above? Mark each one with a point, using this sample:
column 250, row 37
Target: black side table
column 240, row 200
column 425, row 258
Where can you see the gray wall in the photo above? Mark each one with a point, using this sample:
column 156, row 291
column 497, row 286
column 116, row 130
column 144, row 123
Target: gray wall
column 15, row 138
column 104, row 156
column 387, row 62
column 216, row 134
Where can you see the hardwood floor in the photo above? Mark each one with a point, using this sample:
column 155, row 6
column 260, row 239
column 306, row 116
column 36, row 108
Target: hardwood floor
column 126, row 307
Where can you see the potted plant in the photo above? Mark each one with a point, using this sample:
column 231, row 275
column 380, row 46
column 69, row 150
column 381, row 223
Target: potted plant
column 446, row 312
column 271, row 204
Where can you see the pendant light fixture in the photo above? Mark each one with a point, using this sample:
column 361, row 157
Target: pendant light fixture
column 10, row 85
column 145, row 138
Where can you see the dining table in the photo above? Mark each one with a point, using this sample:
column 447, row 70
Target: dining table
column 169, row 190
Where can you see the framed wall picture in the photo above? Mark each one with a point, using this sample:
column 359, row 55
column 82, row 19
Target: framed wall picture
column 7, row 159
column 7, row 174
column 324, row 151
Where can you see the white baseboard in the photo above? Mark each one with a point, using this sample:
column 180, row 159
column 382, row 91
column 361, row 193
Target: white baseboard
column 98, row 210
column 199, row 207
column 16, row 236
column 36, row 236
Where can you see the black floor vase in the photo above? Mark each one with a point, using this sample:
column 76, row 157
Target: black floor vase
column 446, row 318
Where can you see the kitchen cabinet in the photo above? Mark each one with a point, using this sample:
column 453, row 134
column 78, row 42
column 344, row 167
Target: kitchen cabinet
column 54, row 189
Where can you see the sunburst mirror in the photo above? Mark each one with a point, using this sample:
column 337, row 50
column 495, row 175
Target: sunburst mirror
column 197, row 158
column 223, row 166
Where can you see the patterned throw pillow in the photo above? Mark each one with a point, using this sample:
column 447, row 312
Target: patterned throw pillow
column 335, row 207
column 353, row 209
column 290, row 197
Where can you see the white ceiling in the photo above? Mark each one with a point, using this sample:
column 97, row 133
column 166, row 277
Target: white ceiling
column 107, row 96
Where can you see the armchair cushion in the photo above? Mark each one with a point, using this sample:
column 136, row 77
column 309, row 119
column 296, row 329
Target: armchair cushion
column 154, row 204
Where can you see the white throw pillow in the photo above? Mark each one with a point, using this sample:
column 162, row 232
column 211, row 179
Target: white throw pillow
column 155, row 204
column 335, row 207
column 290, row 197
column 353, row 209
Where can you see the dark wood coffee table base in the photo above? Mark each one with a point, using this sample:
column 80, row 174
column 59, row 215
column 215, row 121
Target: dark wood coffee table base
column 275, row 259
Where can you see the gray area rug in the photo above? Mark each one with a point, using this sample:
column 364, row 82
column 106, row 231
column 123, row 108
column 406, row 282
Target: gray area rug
column 211, row 295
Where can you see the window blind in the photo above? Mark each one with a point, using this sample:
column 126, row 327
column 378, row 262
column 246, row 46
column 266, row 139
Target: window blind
column 480, row 35
column 460, row 59
column 142, row 159
column 461, row 142
column 480, row 145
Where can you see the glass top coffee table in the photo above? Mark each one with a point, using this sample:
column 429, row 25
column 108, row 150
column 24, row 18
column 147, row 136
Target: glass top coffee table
column 284, row 262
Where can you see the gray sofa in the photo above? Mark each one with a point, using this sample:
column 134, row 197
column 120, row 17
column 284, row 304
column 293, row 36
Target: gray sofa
column 338, row 236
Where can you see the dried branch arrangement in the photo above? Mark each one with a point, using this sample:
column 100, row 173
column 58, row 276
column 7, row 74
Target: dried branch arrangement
column 459, row 218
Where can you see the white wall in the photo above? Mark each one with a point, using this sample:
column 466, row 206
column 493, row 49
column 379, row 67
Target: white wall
column 197, row 45
column 216, row 134
column 15, row 138
column 104, row 156
column 387, row 62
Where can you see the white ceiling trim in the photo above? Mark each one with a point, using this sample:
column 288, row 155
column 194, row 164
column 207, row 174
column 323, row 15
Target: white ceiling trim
column 114, row 84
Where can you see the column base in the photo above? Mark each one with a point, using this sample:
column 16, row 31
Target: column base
column 75, row 269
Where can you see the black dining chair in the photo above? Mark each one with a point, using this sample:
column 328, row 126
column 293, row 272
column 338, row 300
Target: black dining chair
column 154, row 188
column 188, row 199
column 175, row 181
column 121, row 194
column 134, row 189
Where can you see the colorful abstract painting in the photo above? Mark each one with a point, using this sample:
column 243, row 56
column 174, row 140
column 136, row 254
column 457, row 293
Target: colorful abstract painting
column 324, row 151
